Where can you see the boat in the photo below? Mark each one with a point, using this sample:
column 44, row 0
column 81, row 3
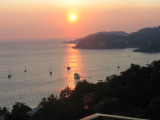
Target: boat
column 147, row 64
column 25, row 69
column 9, row 73
column 68, row 68
column 118, row 65
column 50, row 70
column 33, row 111
column 76, row 76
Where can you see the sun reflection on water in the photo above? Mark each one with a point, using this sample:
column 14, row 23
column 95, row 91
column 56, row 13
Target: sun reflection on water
column 74, row 61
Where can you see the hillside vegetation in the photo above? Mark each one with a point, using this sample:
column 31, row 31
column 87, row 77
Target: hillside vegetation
column 144, row 39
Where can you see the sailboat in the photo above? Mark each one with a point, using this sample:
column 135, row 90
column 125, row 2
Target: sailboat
column 147, row 64
column 76, row 76
column 9, row 73
column 25, row 69
column 68, row 68
column 50, row 70
column 118, row 65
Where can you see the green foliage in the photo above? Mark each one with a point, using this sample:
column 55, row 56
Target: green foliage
column 64, row 108
column 152, row 110
column 19, row 111
column 65, row 93
column 5, row 112
column 82, row 88
column 20, row 107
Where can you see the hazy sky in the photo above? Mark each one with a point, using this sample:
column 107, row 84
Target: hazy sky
column 50, row 18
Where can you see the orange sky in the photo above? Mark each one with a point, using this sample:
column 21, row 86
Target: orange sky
column 49, row 18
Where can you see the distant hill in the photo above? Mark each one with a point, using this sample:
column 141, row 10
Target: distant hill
column 153, row 46
column 103, row 40
column 144, row 37
column 119, row 39
column 95, row 34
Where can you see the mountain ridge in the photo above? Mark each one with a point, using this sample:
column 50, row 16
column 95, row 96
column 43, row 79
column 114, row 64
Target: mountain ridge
column 120, row 39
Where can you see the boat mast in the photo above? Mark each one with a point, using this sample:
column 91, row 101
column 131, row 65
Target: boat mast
column 118, row 65
column 147, row 64
column 50, row 70
column 25, row 69
column 9, row 73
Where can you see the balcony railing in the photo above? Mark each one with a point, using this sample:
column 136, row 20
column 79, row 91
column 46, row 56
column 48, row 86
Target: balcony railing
column 99, row 116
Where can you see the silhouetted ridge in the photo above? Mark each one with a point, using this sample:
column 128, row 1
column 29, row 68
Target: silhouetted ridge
column 144, row 39
column 144, row 36
column 103, row 40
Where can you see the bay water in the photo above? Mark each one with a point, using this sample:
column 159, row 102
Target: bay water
column 37, row 57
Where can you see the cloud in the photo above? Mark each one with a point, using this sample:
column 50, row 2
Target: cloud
column 82, row 2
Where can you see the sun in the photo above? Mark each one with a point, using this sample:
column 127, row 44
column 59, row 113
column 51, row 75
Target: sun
column 72, row 17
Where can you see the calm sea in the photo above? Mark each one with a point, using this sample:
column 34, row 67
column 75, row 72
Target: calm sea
column 36, row 57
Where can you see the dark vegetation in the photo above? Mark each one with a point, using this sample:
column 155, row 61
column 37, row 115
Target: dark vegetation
column 103, row 41
column 145, row 39
column 135, row 92
column 153, row 46
column 18, row 112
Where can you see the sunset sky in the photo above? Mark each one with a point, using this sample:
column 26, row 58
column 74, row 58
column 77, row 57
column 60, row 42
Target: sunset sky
column 51, row 18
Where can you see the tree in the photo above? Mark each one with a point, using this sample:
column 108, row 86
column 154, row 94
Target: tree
column 66, row 93
column 152, row 110
column 19, row 111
